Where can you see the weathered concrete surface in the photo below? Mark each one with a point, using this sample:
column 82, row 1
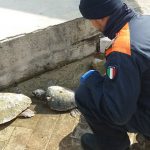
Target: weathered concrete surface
column 25, row 56
column 20, row 17
column 47, row 129
column 35, row 36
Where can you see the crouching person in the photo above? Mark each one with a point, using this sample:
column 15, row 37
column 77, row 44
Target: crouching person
column 118, row 102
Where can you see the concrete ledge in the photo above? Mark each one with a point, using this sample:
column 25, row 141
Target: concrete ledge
column 30, row 54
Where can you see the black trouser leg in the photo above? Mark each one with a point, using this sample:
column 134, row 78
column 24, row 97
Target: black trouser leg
column 109, row 137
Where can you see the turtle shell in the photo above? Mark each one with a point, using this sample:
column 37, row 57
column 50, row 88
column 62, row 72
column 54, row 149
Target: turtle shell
column 60, row 98
column 11, row 105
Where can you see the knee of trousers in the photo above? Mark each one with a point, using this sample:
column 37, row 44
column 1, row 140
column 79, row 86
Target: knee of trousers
column 81, row 96
column 84, row 100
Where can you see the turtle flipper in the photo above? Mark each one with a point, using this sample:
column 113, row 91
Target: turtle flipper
column 75, row 113
column 27, row 113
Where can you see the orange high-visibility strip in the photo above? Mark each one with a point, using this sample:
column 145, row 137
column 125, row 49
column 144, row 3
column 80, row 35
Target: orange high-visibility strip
column 122, row 42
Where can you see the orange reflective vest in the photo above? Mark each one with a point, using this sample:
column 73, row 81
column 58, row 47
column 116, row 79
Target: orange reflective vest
column 121, row 43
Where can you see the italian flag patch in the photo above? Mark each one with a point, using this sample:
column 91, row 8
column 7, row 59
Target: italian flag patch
column 111, row 72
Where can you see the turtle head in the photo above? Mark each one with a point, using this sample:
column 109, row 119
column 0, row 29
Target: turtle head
column 39, row 93
column 48, row 98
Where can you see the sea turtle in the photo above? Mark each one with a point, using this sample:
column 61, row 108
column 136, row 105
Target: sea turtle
column 58, row 98
column 13, row 105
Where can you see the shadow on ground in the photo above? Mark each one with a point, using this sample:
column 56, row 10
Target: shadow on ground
column 72, row 141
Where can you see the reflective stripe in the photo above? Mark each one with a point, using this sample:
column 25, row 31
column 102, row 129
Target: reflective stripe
column 122, row 42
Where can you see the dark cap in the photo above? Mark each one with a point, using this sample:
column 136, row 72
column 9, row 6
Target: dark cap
column 97, row 9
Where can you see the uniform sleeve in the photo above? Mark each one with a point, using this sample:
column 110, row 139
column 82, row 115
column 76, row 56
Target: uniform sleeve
column 116, row 99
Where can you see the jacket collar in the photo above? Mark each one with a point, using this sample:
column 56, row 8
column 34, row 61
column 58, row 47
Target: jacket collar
column 117, row 20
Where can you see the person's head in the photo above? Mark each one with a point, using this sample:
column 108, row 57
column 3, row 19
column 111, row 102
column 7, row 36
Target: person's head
column 98, row 11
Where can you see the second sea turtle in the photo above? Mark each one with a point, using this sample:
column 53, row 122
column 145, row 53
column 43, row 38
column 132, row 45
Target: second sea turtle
column 58, row 98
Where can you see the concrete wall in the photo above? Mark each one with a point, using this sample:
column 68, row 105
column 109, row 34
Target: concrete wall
column 27, row 55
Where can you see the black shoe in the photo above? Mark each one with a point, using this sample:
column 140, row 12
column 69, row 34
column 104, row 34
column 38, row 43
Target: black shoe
column 89, row 142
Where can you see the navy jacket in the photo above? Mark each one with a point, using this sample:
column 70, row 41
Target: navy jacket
column 126, row 98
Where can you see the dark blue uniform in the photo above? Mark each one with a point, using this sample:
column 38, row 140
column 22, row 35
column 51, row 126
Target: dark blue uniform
column 113, row 107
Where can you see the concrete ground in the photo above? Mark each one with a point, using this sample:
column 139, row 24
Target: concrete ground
column 47, row 130
column 24, row 16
